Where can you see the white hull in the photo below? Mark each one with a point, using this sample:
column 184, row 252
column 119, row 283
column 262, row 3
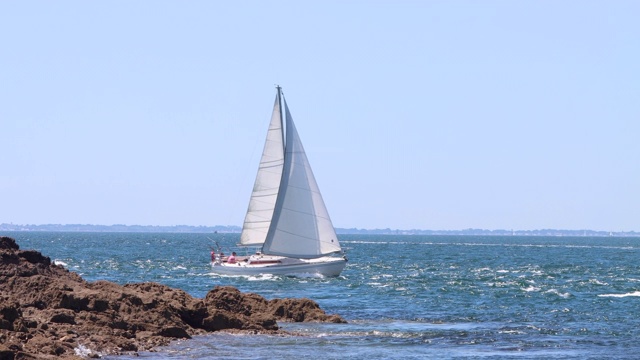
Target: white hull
column 278, row 265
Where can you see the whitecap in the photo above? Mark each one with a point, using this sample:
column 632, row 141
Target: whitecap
column 597, row 282
column 556, row 292
column 261, row 277
column 635, row 293
column 307, row 275
column 531, row 288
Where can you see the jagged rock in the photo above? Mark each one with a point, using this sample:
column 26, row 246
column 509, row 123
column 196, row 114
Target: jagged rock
column 301, row 310
column 8, row 243
column 47, row 311
column 63, row 318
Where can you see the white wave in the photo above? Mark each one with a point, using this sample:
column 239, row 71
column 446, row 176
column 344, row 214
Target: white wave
column 377, row 277
column 377, row 284
column 635, row 293
column 248, row 277
column 393, row 334
column 307, row 276
column 262, row 277
column 269, row 277
column 556, row 292
column 531, row 288
column 84, row 351
column 597, row 282
column 60, row 262
column 501, row 283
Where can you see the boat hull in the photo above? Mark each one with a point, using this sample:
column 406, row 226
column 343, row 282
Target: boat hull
column 277, row 265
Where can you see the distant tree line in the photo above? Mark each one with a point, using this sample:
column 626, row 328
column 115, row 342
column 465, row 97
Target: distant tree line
column 237, row 229
column 120, row 228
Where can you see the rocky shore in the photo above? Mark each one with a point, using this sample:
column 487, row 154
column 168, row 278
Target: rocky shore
column 47, row 311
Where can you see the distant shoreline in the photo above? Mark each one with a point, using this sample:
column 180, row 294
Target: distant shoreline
column 237, row 229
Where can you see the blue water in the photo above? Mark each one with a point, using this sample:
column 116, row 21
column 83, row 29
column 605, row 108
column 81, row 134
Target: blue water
column 405, row 297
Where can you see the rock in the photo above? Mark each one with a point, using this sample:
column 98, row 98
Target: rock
column 47, row 311
column 174, row 332
column 301, row 310
column 8, row 243
column 66, row 317
column 230, row 299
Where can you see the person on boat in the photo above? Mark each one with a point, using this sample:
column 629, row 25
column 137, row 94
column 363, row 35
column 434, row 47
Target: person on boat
column 232, row 258
column 213, row 255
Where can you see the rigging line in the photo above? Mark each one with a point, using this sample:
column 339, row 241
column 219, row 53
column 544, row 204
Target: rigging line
column 305, row 213
column 305, row 188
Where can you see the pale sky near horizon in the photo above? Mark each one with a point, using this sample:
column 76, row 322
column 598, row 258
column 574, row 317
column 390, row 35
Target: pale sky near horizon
column 414, row 114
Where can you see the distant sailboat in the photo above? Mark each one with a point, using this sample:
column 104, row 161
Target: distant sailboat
column 286, row 216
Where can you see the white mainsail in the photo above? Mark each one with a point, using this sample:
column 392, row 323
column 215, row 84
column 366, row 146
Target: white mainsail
column 265, row 189
column 300, row 226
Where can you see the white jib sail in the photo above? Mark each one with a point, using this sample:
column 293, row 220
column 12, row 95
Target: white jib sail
column 301, row 226
column 265, row 189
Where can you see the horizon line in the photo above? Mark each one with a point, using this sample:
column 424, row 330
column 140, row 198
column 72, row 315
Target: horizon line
column 4, row 226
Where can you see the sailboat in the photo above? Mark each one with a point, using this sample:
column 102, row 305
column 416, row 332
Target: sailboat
column 286, row 217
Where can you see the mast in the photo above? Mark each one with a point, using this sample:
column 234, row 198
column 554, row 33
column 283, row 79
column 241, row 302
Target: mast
column 279, row 88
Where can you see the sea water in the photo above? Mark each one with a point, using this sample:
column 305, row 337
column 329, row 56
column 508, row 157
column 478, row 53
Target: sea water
column 404, row 297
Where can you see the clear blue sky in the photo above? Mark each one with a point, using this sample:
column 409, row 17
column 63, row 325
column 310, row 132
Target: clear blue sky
column 414, row 114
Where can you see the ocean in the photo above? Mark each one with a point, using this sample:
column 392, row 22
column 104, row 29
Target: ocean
column 404, row 296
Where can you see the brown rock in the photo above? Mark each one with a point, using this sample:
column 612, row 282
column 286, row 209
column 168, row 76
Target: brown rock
column 47, row 311
column 301, row 310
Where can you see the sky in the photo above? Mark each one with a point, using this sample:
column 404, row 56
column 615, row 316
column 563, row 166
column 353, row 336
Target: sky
column 437, row 115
